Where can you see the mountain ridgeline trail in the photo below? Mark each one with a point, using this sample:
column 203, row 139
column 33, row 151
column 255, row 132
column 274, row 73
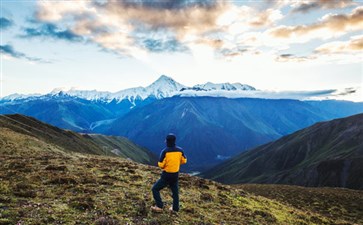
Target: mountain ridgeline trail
column 325, row 154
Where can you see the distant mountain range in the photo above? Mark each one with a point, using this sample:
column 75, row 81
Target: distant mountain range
column 84, row 111
column 211, row 121
column 213, row 129
column 74, row 142
column 163, row 87
column 325, row 154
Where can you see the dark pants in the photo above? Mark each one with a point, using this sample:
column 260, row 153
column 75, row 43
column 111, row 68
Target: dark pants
column 167, row 179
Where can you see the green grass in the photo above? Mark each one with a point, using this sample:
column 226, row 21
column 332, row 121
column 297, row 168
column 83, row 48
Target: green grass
column 44, row 184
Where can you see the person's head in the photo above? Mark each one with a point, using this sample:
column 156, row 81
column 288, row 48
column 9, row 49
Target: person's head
column 170, row 140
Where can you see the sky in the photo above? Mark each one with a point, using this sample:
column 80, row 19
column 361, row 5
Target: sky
column 102, row 45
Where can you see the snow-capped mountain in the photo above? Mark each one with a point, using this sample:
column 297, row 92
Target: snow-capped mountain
column 15, row 96
column 163, row 87
column 85, row 94
column 224, row 86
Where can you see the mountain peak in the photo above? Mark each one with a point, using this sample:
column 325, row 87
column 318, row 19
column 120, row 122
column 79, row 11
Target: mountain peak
column 164, row 77
column 163, row 87
column 164, row 80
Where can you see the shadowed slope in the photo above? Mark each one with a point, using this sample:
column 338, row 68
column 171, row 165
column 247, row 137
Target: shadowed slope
column 325, row 154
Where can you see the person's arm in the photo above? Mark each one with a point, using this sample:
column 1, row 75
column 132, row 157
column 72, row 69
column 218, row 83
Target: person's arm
column 162, row 160
column 183, row 159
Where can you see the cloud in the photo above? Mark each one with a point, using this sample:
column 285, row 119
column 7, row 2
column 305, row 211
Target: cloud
column 52, row 31
column 299, row 95
column 158, row 45
column 117, row 25
column 8, row 50
column 354, row 45
column 305, row 7
column 330, row 25
column 347, row 91
column 293, row 58
column 126, row 26
column 343, row 51
column 5, row 23
column 266, row 18
column 227, row 30
column 170, row 14
column 350, row 94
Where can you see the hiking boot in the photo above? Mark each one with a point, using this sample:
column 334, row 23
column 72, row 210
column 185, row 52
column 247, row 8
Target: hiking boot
column 171, row 210
column 156, row 209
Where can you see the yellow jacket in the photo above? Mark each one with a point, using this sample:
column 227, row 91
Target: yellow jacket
column 171, row 158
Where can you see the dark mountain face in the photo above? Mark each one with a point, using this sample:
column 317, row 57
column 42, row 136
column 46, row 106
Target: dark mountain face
column 212, row 129
column 325, row 154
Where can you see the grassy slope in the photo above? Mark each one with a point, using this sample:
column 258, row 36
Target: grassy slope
column 121, row 146
column 314, row 156
column 41, row 183
column 71, row 141
column 330, row 202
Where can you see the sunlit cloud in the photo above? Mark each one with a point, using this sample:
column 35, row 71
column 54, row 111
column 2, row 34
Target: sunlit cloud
column 353, row 46
column 307, row 6
column 223, row 29
column 116, row 25
column 331, row 25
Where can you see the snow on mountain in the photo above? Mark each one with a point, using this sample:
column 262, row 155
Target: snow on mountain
column 163, row 87
column 221, row 87
column 224, row 87
column 16, row 96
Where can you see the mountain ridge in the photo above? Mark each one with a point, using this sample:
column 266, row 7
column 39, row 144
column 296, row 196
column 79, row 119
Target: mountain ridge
column 75, row 142
column 163, row 87
column 210, row 129
column 326, row 154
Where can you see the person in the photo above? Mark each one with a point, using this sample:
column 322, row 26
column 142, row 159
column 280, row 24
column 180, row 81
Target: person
column 170, row 160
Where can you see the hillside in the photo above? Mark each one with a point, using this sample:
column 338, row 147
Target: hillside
column 74, row 142
column 330, row 202
column 213, row 129
column 124, row 148
column 43, row 184
column 325, row 154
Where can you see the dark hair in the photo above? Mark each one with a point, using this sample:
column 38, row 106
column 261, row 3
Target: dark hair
column 170, row 140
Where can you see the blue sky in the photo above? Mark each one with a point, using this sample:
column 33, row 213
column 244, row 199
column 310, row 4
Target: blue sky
column 113, row 45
